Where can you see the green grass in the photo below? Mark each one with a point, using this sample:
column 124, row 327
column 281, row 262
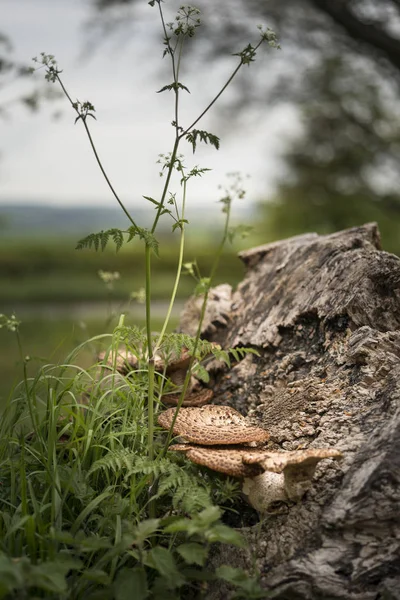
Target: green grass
column 50, row 341
column 77, row 517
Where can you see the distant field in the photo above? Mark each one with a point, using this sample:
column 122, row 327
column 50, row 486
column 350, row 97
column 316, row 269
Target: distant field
column 41, row 270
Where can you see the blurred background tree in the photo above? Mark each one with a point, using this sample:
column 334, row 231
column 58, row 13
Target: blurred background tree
column 341, row 69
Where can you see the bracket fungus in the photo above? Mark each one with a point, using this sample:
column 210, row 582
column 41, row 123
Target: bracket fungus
column 222, row 433
column 286, row 476
column 175, row 368
column 211, row 425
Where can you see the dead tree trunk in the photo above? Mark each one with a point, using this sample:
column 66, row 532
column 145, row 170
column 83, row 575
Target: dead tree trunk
column 324, row 314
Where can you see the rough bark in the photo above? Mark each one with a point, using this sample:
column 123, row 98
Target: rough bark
column 324, row 314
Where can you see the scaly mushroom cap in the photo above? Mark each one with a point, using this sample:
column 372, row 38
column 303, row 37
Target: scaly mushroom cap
column 179, row 363
column 124, row 362
column 298, row 466
column 127, row 361
column 210, row 425
column 194, row 399
column 280, row 461
column 224, row 460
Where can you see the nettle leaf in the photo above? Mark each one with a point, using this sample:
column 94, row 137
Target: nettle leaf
column 193, row 553
column 131, row 583
column 225, row 535
column 241, row 579
column 203, row 136
column 174, row 86
column 145, row 529
column 163, row 561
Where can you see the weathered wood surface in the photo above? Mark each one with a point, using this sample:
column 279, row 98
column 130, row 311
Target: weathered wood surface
column 324, row 313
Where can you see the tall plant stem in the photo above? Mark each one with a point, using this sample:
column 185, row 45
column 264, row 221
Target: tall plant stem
column 199, row 328
column 178, row 272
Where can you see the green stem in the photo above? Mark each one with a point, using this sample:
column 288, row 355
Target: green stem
column 148, row 301
column 178, row 272
column 199, row 328
column 150, row 395
column 235, row 72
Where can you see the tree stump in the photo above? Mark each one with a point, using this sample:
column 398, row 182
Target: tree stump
column 324, row 314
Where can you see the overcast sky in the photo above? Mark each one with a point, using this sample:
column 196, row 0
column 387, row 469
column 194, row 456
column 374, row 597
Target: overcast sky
column 48, row 160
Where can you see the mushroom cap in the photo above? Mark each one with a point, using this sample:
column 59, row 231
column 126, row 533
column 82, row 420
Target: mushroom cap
column 226, row 460
column 209, row 425
column 124, row 362
column 298, row 466
column 180, row 362
column 281, row 461
column 194, row 399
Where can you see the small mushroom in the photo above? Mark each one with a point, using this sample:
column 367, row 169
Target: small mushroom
column 210, row 425
column 124, row 362
column 295, row 468
column 193, row 399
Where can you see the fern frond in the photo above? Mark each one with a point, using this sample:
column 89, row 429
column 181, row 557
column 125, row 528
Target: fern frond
column 145, row 235
column 101, row 239
column 115, row 461
column 204, row 136
column 145, row 466
column 188, row 491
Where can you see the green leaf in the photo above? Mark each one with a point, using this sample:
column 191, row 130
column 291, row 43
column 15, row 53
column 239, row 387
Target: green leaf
column 162, row 560
column 201, row 373
column 173, row 86
column 145, row 529
column 225, row 535
column 193, row 553
column 240, row 230
column 179, row 224
column 51, row 576
column 101, row 239
column 11, row 574
column 204, row 136
column 238, row 577
column 203, row 286
column 149, row 239
column 97, row 576
column 131, row 584
column 178, row 525
column 150, row 199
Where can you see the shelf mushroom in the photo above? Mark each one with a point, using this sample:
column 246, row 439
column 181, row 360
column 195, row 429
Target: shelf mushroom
column 175, row 369
column 212, row 425
column 286, row 474
column 218, row 436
